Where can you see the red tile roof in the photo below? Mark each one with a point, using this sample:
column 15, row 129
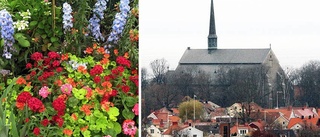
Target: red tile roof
column 312, row 121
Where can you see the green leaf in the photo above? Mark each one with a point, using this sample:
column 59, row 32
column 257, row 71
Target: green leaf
column 130, row 101
column 72, row 101
column 54, row 39
column 18, row 35
column 44, row 36
column 14, row 130
column 33, row 23
column 127, row 114
column 23, row 42
column 117, row 127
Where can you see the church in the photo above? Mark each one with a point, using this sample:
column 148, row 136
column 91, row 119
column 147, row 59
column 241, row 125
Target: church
column 212, row 59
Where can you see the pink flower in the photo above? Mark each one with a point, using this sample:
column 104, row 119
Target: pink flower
column 66, row 88
column 135, row 109
column 44, row 92
column 128, row 127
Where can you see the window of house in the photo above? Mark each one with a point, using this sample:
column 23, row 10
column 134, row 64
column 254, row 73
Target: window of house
column 194, row 135
column 151, row 131
column 242, row 132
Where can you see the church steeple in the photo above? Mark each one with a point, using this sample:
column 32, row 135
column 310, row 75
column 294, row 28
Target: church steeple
column 212, row 37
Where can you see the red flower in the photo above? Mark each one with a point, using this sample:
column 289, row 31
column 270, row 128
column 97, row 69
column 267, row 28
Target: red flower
column 35, row 104
column 59, row 69
column 59, row 105
column 23, row 97
column 96, row 70
column 135, row 80
column 56, row 63
column 45, row 122
column 125, row 88
column 53, row 55
column 29, row 66
column 96, row 79
column 120, row 69
column 123, row 61
column 58, row 120
column 36, row 131
column 114, row 93
column 36, row 56
column 26, row 120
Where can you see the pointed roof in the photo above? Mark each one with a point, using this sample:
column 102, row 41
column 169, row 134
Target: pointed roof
column 212, row 27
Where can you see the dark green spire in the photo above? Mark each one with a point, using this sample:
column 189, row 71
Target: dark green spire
column 212, row 37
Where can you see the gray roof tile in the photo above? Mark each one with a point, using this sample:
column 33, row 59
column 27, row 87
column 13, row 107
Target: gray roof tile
column 224, row 56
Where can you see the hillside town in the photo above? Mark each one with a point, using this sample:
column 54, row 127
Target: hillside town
column 217, row 92
column 227, row 122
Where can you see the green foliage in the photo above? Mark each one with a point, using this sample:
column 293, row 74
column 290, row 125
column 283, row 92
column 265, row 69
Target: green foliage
column 186, row 109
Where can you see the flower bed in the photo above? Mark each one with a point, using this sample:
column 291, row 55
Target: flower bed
column 67, row 82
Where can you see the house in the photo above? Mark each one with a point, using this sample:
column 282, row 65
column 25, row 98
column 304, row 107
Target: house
column 153, row 131
column 173, row 130
column 304, row 123
column 241, row 130
column 191, row 132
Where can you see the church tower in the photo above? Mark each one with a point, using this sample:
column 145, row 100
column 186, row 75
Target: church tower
column 212, row 37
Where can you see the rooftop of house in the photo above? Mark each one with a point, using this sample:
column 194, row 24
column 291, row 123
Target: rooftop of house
column 305, row 121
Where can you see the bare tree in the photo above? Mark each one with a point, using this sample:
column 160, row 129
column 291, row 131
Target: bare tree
column 159, row 68
column 309, row 81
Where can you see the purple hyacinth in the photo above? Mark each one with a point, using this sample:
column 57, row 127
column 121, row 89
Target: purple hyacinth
column 7, row 31
column 119, row 21
column 67, row 17
column 94, row 25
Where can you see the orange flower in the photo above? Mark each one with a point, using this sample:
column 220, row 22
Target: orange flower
column 88, row 50
column 63, row 96
column 58, row 83
column 94, row 45
column 21, row 81
column 106, row 84
column 82, row 69
column 64, row 57
column 74, row 116
column 100, row 91
column 101, row 50
column 4, row 99
column 116, row 52
column 68, row 132
column 86, row 109
column 126, row 55
column 84, row 128
column 71, row 81
column 106, row 105
column 89, row 94
column 20, row 105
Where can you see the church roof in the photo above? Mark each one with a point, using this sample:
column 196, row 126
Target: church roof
column 224, row 56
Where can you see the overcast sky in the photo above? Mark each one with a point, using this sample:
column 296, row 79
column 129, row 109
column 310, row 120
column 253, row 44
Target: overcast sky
column 292, row 27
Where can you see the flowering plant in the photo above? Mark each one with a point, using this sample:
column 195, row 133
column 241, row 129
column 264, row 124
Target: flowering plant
column 70, row 93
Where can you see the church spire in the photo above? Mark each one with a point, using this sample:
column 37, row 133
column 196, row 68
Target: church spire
column 212, row 37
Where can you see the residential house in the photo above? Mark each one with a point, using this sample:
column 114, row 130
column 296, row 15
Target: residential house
column 191, row 132
column 304, row 123
column 173, row 130
column 241, row 130
column 153, row 131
